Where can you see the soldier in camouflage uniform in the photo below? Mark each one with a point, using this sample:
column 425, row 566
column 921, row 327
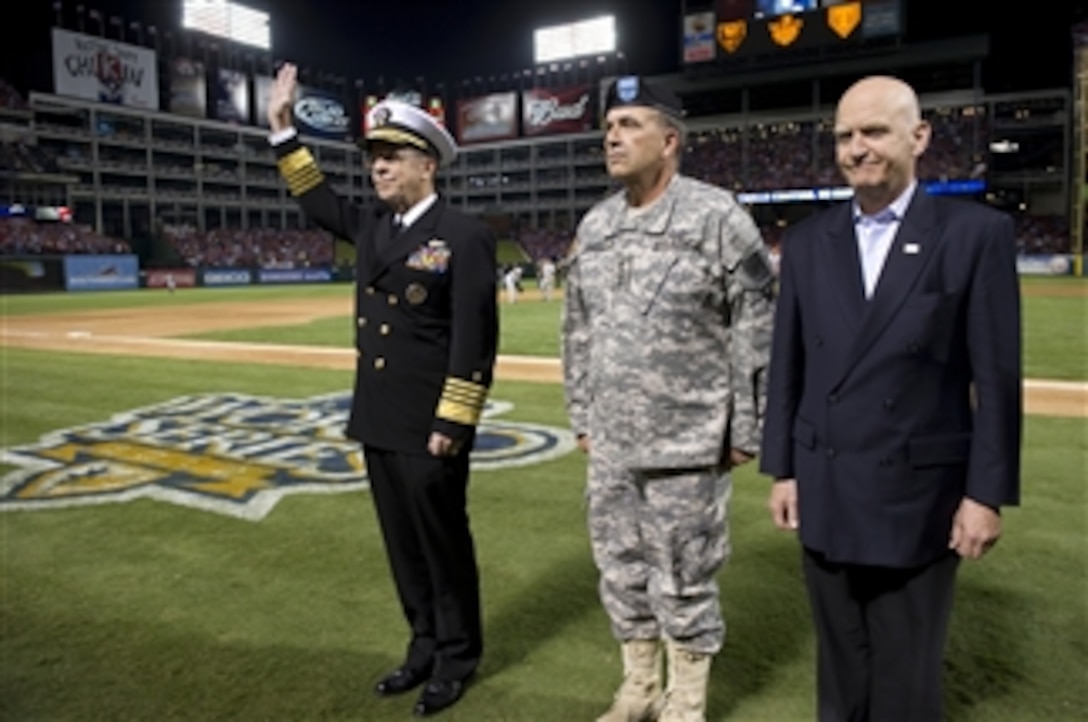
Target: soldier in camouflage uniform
column 666, row 337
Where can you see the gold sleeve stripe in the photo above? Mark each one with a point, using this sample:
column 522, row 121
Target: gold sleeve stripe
column 466, row 395
column 475, row 406
column 455, row 384
column 304, row 180
column 459, row 413
column 295, row 161
column 462, row 402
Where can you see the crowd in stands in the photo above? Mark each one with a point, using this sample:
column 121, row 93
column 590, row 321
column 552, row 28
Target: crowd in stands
column 1042, row 234
column 800, row 154
column 1035, row 234
column 254, row 248
column 714, row 157
column 759, row 156
column 25, row 236
column 958, row 144
column 269, row 248
column 780, row 156
column 539, row 243
column 220, row 248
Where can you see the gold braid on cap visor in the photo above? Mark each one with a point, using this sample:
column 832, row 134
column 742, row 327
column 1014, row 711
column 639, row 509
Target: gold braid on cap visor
column 398, row 137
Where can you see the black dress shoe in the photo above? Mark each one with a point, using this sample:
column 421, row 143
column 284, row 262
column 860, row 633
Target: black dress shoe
column 401, row 680
column 438, row 695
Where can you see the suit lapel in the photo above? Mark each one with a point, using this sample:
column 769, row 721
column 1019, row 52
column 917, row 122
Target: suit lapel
column 407, row 241
column 381, row 239
column 914, row 244
column 843, row 267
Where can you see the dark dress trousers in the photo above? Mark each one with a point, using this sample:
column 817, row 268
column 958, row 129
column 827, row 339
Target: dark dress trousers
column 426, row 337
column 888, row 411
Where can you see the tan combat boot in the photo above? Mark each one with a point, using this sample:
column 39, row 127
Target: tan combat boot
column 685, row 697
column 639, row 697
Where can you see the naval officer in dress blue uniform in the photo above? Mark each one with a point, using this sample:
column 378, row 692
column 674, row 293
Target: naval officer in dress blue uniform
column 427, row 329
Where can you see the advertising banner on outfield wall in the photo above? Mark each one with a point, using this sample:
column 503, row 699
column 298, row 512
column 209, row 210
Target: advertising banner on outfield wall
column 487, row 118
column 1056, row 264
column 33, row 274
column 188, row 88
column 101, row 273
column 552, row 110
column 94, row 68
column 294, row 275
column 171, row 278
column 225, row 277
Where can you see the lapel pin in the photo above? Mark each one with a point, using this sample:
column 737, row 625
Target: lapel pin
column 911, row 249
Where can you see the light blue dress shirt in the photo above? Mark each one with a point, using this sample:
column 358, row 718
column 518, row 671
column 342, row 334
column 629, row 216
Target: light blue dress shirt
column 876, row 233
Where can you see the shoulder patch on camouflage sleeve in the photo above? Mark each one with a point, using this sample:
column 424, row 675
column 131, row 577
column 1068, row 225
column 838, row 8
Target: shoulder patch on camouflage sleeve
column 755, row 271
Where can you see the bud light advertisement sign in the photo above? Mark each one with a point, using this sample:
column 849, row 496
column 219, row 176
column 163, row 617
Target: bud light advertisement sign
column 552, row 110
column 320, row 114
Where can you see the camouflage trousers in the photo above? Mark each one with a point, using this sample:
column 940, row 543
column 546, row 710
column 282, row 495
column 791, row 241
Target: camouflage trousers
column 659, row 537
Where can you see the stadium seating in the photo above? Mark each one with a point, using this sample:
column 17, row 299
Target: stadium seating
column 24, row 236
column 255, row 248
column 539, row 244
column 777, row 155
column 23, row 158
column 558, row 181
column 1038, row 234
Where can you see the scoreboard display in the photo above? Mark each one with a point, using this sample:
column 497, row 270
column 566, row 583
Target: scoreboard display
column 776, row 28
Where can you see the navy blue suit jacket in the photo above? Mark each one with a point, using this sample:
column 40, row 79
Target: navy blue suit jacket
column 889, row 411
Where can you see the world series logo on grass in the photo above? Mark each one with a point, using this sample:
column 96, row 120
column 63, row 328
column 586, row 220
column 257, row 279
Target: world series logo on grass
column 229, row 453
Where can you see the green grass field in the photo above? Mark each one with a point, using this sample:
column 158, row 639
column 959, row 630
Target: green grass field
column 149, row 610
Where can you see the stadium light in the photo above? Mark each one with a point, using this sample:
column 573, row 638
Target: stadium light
column 1004, row 146
column 229, row 21
column 573, row 40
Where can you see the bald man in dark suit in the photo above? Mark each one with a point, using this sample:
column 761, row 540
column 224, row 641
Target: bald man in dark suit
column 893, row 424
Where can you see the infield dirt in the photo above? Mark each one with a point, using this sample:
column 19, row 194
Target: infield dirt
column 149, row 332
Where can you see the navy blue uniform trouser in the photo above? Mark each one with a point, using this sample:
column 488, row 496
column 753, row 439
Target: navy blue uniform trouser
column 422, row 508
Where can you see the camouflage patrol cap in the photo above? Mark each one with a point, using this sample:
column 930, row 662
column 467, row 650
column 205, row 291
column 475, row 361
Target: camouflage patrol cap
column 633, row 90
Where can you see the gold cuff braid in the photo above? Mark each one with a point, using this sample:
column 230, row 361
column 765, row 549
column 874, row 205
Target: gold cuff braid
column 300, row 171
column 462, row 402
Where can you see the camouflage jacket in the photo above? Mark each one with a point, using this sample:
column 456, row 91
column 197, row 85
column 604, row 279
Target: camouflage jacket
column 666, row 328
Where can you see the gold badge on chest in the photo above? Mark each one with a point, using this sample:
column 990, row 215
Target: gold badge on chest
column 415, row 294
